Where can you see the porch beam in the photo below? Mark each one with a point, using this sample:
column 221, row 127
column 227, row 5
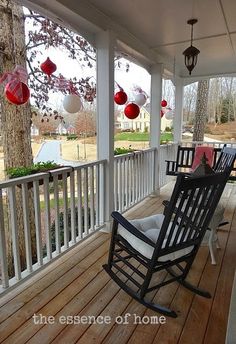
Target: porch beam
column 178, row 116
column 105, row 116
column 155, row 120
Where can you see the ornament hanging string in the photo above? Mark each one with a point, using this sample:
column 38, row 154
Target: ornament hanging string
column 121, row 88
column 140, row 90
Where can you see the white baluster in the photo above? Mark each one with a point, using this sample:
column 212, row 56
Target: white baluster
column 97, row 209
column 79, row 203
column 86, row 231
column 91, row 189
column 72, row 206
column 65, row 211
column 57, row 222
column 3, row 252
column 37, row 213
column 47, row 218
column 25, row 197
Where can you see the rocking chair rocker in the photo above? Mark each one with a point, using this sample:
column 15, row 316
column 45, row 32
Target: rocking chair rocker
column 167, row 241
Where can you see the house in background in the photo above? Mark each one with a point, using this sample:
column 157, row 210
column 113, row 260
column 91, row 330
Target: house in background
column 34, row 130
column 65, row 128
column 141, row 123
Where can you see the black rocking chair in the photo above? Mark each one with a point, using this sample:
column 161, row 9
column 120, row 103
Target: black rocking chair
column 164, row 242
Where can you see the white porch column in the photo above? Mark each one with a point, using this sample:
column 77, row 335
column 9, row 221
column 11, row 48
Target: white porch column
column 155, row 119
column 105, row 115
column 178, row 116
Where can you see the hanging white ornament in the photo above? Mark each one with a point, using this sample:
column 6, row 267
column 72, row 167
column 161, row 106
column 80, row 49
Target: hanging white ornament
column 140, row 99
column 169, row 114
column 72, row 103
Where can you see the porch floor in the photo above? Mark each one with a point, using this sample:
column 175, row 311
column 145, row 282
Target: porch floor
column 77, row 285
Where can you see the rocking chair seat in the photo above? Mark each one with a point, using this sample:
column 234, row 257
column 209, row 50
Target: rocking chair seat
column 150, row 226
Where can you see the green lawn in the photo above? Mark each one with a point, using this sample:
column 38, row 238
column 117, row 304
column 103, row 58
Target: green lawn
column 141, row 137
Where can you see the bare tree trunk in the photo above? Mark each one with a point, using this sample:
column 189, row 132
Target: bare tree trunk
column 201, row 110
column 15, row 119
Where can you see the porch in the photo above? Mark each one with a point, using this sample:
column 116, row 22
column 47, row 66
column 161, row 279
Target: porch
column 75, row 284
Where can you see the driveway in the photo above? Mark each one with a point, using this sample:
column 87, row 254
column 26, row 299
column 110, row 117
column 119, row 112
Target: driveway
column 51, row 150
column 206, row 139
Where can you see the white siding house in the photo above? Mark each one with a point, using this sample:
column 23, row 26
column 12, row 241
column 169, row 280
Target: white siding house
column 34, row 130
column 65, row 128
column 141, row 123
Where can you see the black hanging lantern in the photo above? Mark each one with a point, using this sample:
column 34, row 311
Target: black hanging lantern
column 191, row 53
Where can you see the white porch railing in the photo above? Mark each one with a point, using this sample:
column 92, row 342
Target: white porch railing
column 134, row 175
column 133, row 178
column 67, row 207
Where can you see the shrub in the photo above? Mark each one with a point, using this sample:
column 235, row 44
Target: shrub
column 20, row 171
column 122, row 150
column 72, row 137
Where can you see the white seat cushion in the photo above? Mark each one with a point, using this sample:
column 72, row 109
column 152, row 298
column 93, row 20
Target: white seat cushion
column 150, row 226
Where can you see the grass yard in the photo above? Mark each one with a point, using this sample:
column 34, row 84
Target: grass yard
column 140, row 137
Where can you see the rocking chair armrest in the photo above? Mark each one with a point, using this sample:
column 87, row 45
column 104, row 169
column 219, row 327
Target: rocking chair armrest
column 130, row 228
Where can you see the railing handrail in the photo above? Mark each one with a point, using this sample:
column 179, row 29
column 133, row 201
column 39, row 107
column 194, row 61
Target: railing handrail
column 136, row 152
column 88, row 164
column 24, row 179
column 37, row 176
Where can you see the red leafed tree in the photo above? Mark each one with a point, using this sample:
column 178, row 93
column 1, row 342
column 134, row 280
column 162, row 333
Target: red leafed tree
column 46, row 34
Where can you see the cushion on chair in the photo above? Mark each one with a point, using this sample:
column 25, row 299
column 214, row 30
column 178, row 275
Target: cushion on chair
column 150, row 226
column 199, row 151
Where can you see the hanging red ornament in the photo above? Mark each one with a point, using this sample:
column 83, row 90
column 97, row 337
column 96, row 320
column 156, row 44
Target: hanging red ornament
column 132, row 110
column 17, row 92
column 163, row 103
column 48, row 67
column 120, row 97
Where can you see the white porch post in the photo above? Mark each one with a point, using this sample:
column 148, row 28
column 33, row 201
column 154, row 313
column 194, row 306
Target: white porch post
column 105, row 115
column 178, row 116
column 155, row 120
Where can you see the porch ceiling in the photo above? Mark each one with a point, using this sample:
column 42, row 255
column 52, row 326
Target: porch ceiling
column 157, row 31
